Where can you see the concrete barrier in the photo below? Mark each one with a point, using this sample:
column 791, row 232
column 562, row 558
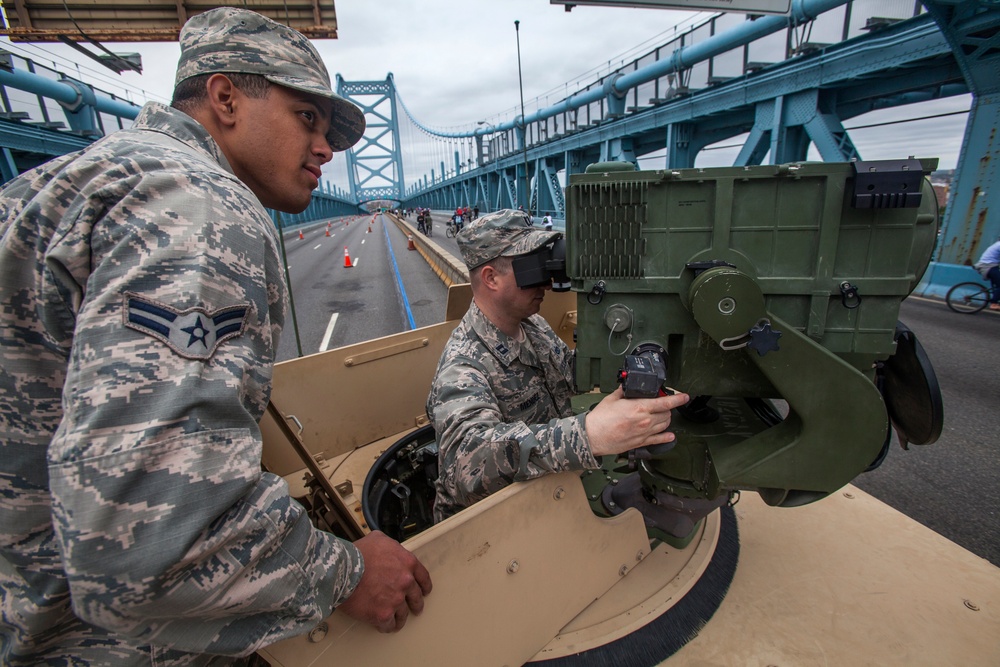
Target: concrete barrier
column 450, row 270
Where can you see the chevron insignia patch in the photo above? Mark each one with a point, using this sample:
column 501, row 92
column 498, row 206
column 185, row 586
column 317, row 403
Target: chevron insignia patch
column 194, row 333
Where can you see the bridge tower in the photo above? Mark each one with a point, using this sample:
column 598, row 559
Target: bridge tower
column 375, row 164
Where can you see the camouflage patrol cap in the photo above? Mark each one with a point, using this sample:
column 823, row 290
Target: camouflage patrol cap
column 504, row 233
column 230, row 39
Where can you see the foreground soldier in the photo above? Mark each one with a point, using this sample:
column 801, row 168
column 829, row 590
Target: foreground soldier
column 141, row 297
column 500, row 400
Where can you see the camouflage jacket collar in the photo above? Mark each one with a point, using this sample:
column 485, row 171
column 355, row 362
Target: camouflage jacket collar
column 182, row 127
column 502, row 346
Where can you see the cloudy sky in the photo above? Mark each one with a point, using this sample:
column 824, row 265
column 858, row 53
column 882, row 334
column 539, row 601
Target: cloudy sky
column 455, row 62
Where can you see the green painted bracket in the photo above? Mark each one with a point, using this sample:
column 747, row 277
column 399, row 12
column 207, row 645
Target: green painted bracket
column 837, row 420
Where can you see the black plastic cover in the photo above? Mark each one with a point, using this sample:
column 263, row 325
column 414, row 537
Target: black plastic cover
column 911, row 391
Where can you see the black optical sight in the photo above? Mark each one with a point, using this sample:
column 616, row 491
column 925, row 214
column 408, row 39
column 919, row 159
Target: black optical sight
column 543, row 267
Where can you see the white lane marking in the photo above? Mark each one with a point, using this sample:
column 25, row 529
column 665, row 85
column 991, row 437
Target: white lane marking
column 317, row 245
column 329, row 333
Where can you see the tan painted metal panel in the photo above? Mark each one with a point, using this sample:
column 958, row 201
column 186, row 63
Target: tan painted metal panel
column 849, row 580
column 508, row 573
column 351, row 396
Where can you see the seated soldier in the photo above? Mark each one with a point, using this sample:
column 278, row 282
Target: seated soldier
column 500, row 400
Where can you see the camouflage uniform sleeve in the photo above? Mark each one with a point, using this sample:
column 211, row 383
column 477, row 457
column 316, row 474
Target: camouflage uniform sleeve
column 168, row 529
column 481, row 451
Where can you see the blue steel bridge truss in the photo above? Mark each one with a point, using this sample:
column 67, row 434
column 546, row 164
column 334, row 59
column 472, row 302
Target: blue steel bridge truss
column 703, row 87
column 375, row 164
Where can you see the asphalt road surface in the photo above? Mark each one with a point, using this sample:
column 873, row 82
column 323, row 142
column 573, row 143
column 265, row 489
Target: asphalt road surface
column 950, row 486
column 385, row 289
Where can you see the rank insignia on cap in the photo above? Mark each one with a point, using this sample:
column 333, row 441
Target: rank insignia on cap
column 194, row 333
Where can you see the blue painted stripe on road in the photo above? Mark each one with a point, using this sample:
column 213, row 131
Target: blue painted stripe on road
column 399, row 278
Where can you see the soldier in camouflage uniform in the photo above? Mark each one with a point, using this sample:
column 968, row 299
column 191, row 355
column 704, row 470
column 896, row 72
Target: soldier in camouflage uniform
column 500, row 400
column 142, row 297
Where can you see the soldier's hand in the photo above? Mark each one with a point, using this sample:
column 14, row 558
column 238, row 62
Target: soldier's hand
column 393, row 585
column 618, row 424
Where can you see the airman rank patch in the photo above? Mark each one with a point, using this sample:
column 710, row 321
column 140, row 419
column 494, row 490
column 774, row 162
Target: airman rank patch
column 194, row 333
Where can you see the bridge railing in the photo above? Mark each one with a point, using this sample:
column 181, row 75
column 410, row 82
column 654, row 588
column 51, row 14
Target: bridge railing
column 49, row 106
column 45, row 113
column 846, row 21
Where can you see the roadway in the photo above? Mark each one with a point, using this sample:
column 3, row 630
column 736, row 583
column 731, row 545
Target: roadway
column 336, row 305
column 950, row 487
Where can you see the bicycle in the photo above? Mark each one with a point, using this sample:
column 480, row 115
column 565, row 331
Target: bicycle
column 968, row 298
column 424, row 224
column 454, row 227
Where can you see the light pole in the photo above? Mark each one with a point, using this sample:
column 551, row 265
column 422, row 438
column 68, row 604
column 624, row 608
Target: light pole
column 524, row 125
column 491, row 129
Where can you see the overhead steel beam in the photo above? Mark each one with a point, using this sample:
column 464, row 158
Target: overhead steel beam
column 683, row 58
column 137, row 21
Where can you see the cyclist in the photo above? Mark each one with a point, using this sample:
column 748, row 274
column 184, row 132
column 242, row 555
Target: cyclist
column 989, row 268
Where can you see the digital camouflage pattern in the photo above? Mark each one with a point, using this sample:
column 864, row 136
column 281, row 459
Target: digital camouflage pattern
column 228, row 39
column 141, row 299
column 501, row 411
column 503, row 233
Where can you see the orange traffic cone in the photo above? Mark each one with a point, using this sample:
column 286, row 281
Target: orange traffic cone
column 409, row 243
column 300, row 234
column 347, row 259
column 327, row 231
column 369, row 229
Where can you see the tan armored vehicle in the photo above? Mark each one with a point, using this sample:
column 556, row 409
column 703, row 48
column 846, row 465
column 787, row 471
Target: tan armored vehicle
column 771, row 294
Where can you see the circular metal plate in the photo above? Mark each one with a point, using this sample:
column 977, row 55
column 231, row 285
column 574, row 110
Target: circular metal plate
column 636, row 609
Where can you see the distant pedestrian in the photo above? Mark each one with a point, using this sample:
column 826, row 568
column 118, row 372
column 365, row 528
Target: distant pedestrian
column 547, row 222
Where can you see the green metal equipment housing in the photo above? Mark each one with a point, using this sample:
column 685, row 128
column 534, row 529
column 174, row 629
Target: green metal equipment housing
column 753, row 284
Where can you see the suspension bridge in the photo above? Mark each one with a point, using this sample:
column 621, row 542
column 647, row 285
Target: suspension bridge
column 779, row 89
column 781, row 86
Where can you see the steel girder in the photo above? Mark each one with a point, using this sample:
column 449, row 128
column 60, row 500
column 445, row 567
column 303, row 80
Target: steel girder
column 972, row 29
column 783, row 106
column 550, row 193
column 785, row 125
column 26, row 147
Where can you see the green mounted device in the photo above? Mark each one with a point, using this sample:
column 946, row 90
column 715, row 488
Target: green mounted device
column 771, row 295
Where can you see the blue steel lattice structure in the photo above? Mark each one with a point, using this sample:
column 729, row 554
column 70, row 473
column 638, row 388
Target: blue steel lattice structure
column 972, row 30
column 375, row 164
column 706, row 86
column 46, row 113
column 784, row 82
